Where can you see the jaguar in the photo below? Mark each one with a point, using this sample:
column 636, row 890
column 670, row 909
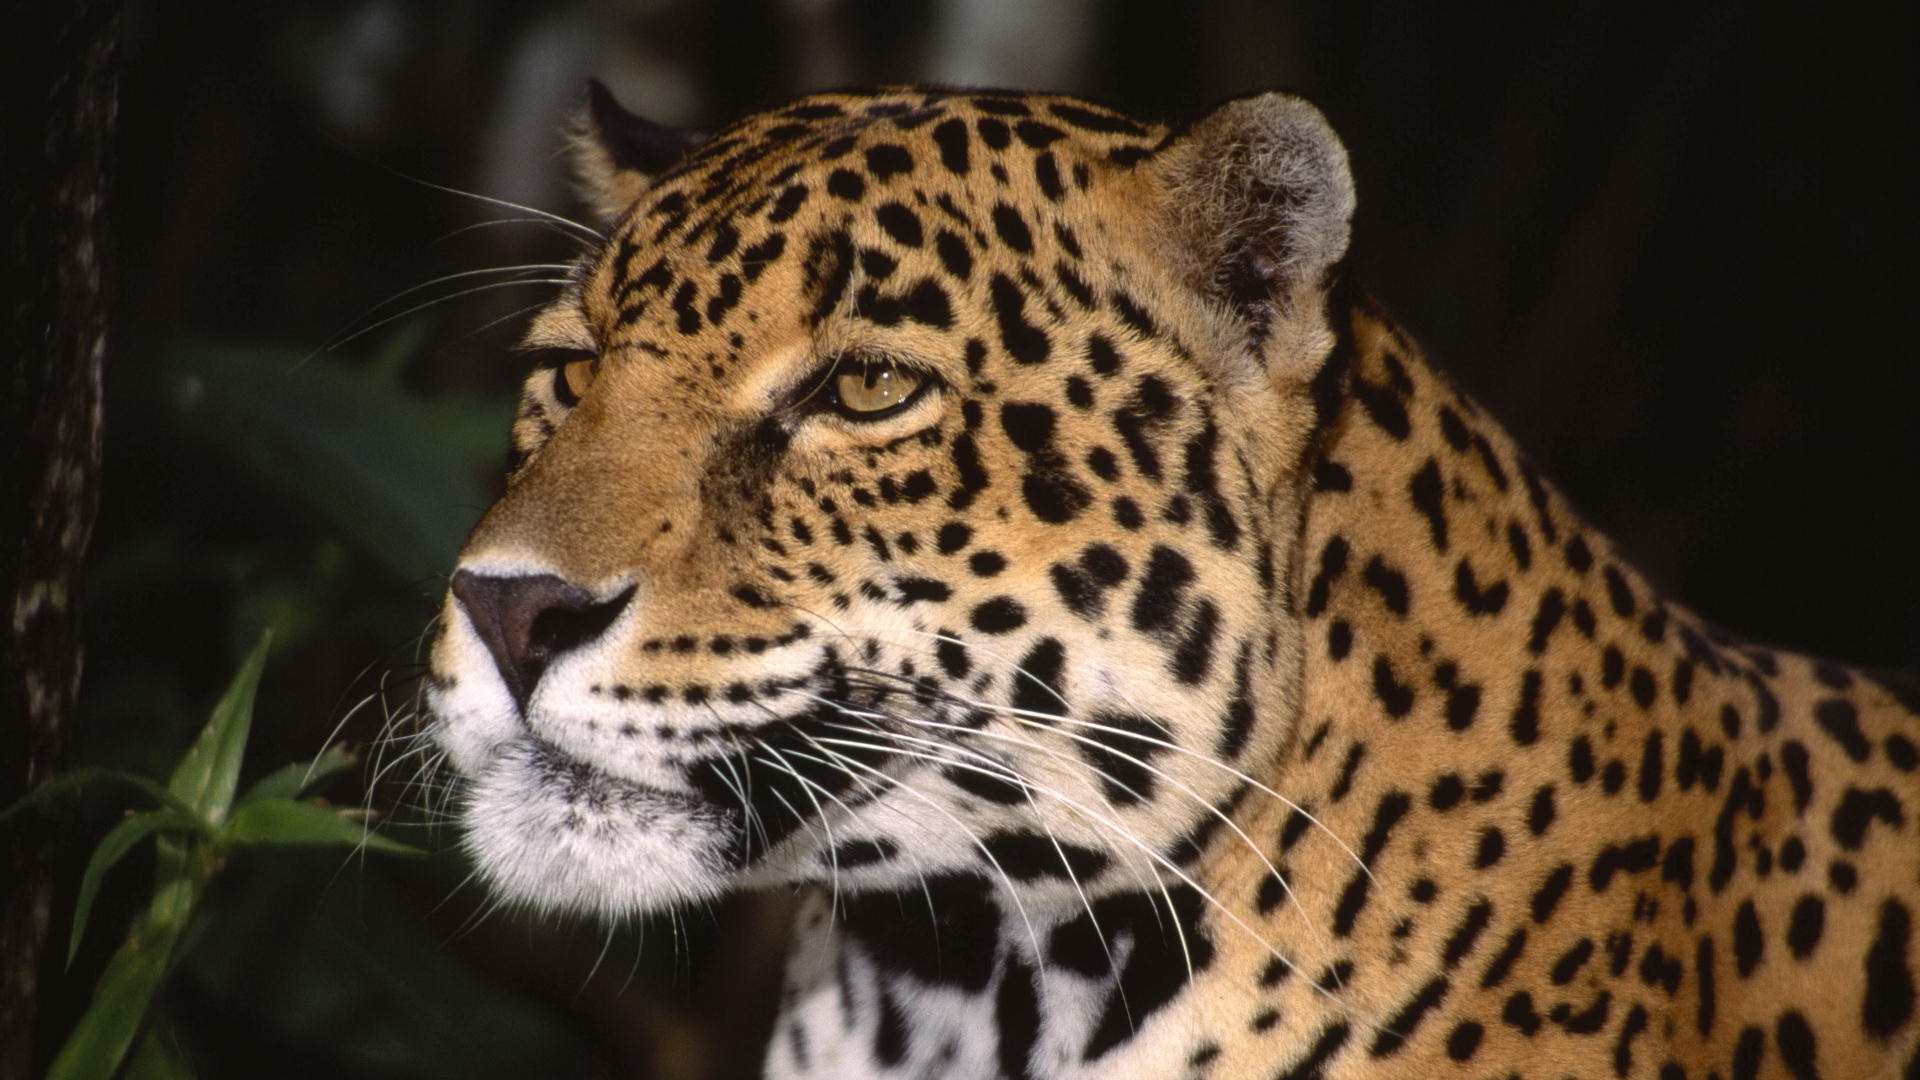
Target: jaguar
column 1002, row 520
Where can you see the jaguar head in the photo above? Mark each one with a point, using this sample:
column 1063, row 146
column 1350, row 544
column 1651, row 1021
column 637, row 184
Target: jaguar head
column 906, row 487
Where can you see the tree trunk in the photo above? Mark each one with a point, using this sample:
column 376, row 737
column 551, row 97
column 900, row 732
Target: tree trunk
column 56, row 127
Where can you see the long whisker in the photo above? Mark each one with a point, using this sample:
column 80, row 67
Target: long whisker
column 841, row 761
column 1204, row 759
column 998, row 771
column 1147, row 766
column 397, row 316
column 586, row 232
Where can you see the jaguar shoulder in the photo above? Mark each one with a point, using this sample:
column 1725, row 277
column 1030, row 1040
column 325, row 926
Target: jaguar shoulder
column 997, row 516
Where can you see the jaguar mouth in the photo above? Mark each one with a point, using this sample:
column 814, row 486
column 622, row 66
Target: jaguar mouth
column 558, row 832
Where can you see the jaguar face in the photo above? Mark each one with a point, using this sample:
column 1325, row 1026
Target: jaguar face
column 896, row 497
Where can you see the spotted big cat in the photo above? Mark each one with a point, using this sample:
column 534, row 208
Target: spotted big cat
column 1004, row 521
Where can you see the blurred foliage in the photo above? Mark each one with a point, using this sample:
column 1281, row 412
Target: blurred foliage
column 394, row 474
column 196, row 826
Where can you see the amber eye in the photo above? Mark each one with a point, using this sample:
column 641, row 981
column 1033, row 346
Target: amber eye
column 869, row 389
column 577, row 376
column 572, row 372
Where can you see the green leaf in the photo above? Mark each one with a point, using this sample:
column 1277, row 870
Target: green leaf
column 297, row 779
column 94, row 1049
column 399, row 475
column 79, row 778
column 116, row 844
column 302, row 824
column 158, row 1057
column 206, row 777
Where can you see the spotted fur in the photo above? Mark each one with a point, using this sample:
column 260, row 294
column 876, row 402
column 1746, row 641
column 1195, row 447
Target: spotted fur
column 1176, row 677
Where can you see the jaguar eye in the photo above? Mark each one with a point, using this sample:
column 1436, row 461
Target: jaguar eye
column 573, row 371
column 575, row 376
column 867, row 390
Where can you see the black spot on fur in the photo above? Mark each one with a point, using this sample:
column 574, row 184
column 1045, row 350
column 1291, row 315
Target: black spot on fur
column 1012, row 229
column 1331, row 476
column 1747, row 940
column 1502, row 964
column 1631, row 857
column 1157, row 967
column 846, row 185
column 999, row 615
column 1394, row 696
column 1052, row 494
column 1238, row 723
column 1547, row 896
column 951, row 137
column 1036, row 686
column 900, row 223
column 1630, row 1029
column 1540, row 815
column 1314, row 1066
column 1425, row 490
column 1025, row 342
column 1839, row 719
column 890, row 1031
column 887, row 160
column 1461, row 942
column 1407, row 1021
column 1703, row 977
column 1464, row 1040
column 1492, row 847
column 943, row 936
column 1028, row 424
column 855, row 853
column 1333, row 563
column 1479, row 600
column 1859, row 808
column 1383, row 407
column 1084, row 583
column 828, row 268
column 1747, row 1052
column 1193, row 656
column 1619, row 594
column 1387, row 813
column 1097, row 121
column 1463, row 701
column 1016, row 1016
column 1389, row 583
column 1888, row 1001
column 1652, row 767
column 1804, row 927
column 1519, row 1013
column 983, row 780
column 1121, row 748
column 1524, row 725
column 953, row 254
column 1570, row 962
column 1025, row 857
column 1158, row 604
column 1553, row 607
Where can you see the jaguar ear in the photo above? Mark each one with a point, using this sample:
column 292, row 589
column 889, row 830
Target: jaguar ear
column 1261, row 199
column 616, row 155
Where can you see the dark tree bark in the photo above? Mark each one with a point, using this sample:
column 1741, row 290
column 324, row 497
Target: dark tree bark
column 56, row 129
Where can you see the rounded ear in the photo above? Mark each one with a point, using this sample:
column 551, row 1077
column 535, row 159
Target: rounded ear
column 616, row 155
column 1261, row 198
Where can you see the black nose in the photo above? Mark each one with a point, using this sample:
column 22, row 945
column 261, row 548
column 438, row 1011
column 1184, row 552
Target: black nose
column 528, row 620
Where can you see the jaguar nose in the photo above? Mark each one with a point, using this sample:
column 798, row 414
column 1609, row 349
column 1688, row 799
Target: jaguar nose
column 528, row 620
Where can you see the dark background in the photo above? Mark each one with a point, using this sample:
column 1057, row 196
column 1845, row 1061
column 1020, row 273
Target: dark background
column 1669, row 245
